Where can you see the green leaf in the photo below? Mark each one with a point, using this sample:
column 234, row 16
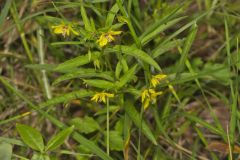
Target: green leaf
column 222, row 76
column 76, row 62
column 137, row 53
column 66, row 97
column 92, row 24
column 207, row 125
column 46, row 20
column 126, row 77
column 111, row 15
column 85, row 125
column 4, row 11
column 84, row 73
column 116, row 141
column 39, row 156
column 85, row 19
column 135, row 116
column 12, row 141
column 163, row 48
column 118, row 69
column 186, row 26
column 5, row 151
column 160, row 22
column 187, row 46
column 124, row 65
column 58, row 139
column 121, row 65
column 99, row 83
column 31, row 137
column 159, row 29
column 91, row 146
column 112, row 109
column 66, row 43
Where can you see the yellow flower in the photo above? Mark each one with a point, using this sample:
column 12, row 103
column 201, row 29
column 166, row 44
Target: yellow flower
column 157, row 78
column 101, row 97
column 149, row 95
column 64, row 29
column 108, row 37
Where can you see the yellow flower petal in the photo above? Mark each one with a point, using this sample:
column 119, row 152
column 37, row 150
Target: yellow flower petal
column 146, row 104
column 102, row 41
column 149, row 95
column 156, row 79
column 64, row 29
column 58, row 30
column 101, row 97
column 161, row 76
column 144, row 94
column 105, row 38
column 95, row 98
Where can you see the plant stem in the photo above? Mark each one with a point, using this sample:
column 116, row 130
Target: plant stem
column 139, row 134
column 108, row 126
column 47, row 90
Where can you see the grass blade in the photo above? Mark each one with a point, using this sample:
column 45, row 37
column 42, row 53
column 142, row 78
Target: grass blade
column 135, row 116
column 4, row 11
column 186, row 49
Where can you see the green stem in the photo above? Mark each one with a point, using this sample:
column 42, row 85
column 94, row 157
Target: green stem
column 108, row 126
column 20, row 30
column 139, row 134
column 41, row 54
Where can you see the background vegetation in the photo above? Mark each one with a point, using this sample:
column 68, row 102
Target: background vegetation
column 106, row 79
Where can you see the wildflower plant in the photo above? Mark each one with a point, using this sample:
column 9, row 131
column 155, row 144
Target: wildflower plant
column 64, row 29
column 109, row 62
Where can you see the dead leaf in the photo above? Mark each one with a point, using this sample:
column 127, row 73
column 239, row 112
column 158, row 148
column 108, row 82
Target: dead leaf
column 221, row 147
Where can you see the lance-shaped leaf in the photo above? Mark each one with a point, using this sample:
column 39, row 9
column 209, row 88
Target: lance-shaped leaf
column 59, row 139
column 31, row 137
column 98, row 83
column 84, row 73
column 126, row 77
column 5, row 151
column 137, row 53
column 76, row 62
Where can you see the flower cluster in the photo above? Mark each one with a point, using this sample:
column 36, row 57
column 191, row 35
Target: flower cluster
column 101, row 97
column 150, row 95
column 64, row 29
